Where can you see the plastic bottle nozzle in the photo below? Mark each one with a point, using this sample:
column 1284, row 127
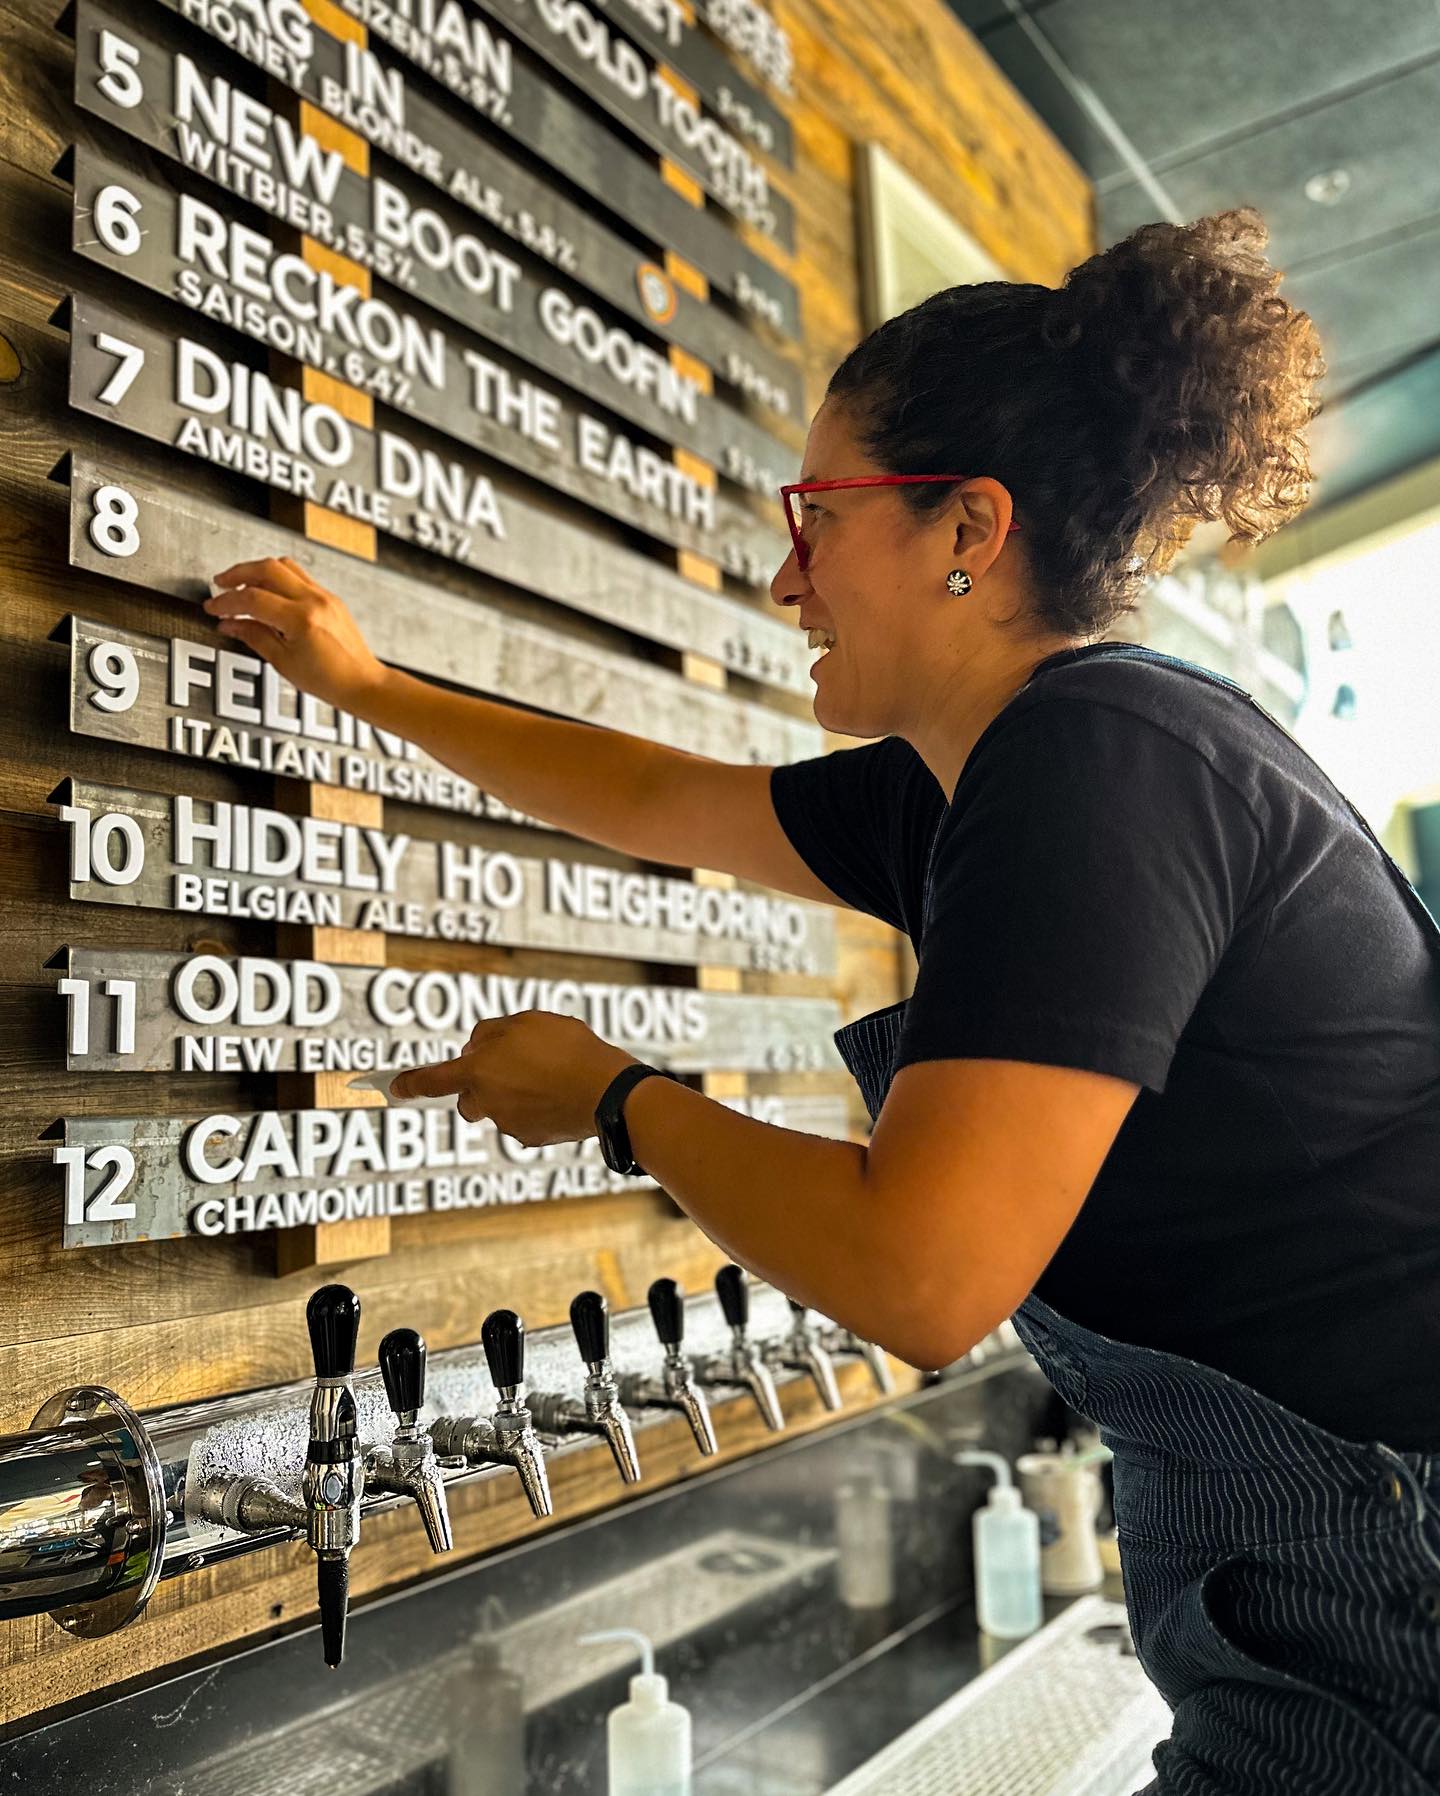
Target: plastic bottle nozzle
column 647, row 1685
column 996, row 1462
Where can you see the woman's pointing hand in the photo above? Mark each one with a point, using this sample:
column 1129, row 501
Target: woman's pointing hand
column 538, row 1075
column 303, row 630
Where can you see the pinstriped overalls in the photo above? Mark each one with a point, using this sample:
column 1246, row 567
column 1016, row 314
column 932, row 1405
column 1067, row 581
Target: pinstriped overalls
column 1283, row 1584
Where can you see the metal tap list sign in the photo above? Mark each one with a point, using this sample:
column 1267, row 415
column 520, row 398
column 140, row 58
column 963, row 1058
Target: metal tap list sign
column 632, row 87
column 148, row 1178
column 749, row 30
column 217, row 858
column 419, row 239
column 182, row 390
column 668, row 32
column 132, row 527
column 367, row 93
column 130, row 1010
column 211, row 262
column 226, row 706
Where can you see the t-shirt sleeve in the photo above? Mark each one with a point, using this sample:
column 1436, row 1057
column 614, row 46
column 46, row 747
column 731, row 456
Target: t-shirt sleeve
column 1087, row 880
column 860, row 819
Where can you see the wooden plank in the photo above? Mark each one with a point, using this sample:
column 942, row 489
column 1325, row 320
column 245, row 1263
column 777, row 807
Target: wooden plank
column 422, row 626
column 211, row 702
column 654, row 101
column 204, row 1013
column 217, row 858
column 397, row 349
column 436, row 135
column 335, row 1177
column 441, row 497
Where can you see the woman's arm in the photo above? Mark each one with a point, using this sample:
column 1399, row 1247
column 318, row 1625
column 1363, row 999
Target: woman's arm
column 657, row 803
column 924, row 1240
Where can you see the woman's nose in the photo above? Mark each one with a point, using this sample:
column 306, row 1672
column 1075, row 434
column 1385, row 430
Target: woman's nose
column 788, row 586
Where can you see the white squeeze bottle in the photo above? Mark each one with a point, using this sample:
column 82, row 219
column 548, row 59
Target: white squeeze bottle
column 1007, row 1555
column 648, row 1737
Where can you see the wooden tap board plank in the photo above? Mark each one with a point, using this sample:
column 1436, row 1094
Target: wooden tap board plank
column 149, row 533
column 135, row 1010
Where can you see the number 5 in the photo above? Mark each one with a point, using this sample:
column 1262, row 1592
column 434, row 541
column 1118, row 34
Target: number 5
column 120, row 83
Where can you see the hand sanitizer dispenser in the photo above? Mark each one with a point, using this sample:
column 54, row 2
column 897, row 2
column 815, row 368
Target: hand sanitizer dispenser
column 649, row 1736
column 1007, row 1555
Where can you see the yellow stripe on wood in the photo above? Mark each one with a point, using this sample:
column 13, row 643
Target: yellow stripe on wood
column 703, row 671
column 331, row 135
column 337, row 22
column 341, row 269
column 699, row 568
column 683, row 182
column 687, row 275
column 320, row 388
column 337, row 531
column 677, row 84
column 691, row 368
column 694, row 468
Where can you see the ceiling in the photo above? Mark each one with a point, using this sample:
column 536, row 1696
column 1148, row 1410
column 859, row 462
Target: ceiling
column 1177, row 110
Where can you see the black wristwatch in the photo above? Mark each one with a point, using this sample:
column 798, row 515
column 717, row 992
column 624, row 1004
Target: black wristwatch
column 610, row 1116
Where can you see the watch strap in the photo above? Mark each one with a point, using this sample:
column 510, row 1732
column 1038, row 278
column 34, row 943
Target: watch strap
column 610, row 1125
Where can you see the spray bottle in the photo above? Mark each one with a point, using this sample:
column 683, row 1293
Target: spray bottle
column 648, row 1738
column 1007, row 1555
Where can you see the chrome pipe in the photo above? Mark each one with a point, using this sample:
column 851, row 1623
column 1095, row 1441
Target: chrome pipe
column 82, row 1514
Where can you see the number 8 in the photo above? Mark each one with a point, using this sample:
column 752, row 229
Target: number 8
column 112, row 526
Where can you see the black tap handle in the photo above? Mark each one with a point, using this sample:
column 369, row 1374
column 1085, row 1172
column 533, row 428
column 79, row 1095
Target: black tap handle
column 502, row 1334
column 402, row 1366
column 333, row 1581
column 734, row 1295
column 667, row 1311
column 590, row 1318
column 333, row 1318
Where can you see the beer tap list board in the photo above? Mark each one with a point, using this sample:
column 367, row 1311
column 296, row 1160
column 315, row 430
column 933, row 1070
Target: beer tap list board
column 480, row 310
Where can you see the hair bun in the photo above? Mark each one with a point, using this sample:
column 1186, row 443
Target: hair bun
column 1202, row 377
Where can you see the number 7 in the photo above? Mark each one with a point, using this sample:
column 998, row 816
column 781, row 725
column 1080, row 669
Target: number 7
column 131, row 358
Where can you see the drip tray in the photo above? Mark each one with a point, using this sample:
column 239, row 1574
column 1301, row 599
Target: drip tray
column 1069, row 1712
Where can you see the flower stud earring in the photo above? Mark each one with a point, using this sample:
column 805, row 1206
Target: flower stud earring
column 958, row 582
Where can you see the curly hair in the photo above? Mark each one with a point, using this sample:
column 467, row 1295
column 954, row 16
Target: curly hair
column 1165, row 382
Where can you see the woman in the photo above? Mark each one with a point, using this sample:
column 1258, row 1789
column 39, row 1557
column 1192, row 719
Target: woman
column 1168, row 1087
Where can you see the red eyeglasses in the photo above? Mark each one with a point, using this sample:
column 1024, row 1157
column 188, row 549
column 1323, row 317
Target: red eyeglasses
column 792, row 508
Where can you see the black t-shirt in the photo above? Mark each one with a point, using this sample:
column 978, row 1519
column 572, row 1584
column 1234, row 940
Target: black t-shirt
column 1142, row 874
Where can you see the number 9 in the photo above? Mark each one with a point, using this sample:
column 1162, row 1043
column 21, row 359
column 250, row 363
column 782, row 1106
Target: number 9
column 116, row 674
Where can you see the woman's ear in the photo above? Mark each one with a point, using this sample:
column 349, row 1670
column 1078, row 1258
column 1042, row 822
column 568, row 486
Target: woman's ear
column 980, row 511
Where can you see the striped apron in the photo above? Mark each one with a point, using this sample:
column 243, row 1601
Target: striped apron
column 1282, row 1584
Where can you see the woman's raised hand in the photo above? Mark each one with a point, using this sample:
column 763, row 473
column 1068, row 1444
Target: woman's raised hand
column 298, row 626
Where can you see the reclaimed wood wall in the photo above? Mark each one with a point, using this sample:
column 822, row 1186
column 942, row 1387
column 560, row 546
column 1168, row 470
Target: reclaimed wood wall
column 171, row 1320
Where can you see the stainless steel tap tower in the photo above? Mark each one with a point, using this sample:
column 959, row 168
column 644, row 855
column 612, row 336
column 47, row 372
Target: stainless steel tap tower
column 99, row 1502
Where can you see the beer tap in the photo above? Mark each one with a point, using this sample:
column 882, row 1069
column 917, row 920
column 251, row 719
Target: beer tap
column 844, row 1343
column 742, row 1368
column 676, row 1388
column 334, row 1471
column 601, row 1411
column 408, row 1467
column 801, row 1351
column 328, row 1508
column 509, row 1438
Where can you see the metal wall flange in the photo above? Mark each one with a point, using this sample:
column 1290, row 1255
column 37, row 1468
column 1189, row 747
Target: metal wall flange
column 105, row 1499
